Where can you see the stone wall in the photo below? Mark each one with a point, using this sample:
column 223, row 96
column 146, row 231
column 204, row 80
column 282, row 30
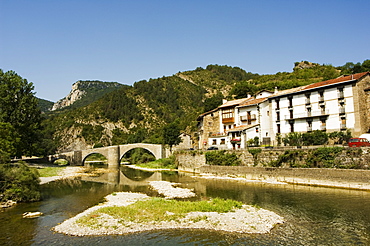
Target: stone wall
column 195, row 161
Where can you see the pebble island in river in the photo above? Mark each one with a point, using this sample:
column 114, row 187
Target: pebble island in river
column 247, row 219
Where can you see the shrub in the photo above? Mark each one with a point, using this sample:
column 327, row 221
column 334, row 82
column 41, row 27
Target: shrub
column 324, row 157
column 292, row 157
column 221, row 158
column 315, row 138
column 255, row 153
column 19, row 183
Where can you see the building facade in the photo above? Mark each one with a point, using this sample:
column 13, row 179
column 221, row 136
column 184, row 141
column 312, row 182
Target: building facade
column 334, row 105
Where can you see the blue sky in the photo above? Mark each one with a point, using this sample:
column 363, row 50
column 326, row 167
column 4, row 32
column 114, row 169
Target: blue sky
column 54, row 43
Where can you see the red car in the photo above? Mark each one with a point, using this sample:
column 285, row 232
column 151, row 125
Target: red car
column 358, row 142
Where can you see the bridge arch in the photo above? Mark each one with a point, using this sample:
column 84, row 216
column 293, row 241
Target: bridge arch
column 154, row 149
column 92, row 153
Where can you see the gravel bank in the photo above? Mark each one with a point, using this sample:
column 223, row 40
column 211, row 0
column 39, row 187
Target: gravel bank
column 248, row 219
column 68, row 172
column 166, row 188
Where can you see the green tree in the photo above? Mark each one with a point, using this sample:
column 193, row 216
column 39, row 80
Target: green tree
column 8, row 141
column 171, row 134
column 213, row 102
column 19, row 107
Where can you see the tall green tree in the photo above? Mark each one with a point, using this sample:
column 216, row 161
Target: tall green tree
column 19, row 107
column 171, row 134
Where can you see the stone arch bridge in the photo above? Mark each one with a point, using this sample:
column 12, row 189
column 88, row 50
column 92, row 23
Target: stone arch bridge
column 113, row 154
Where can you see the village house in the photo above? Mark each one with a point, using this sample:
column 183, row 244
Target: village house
column 334, row 105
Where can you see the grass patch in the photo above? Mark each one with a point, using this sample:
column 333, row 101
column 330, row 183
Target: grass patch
column 165, row 163
column 50, row 171
column 159, row 209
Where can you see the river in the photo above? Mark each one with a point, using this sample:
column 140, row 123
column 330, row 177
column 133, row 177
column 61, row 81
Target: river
column 314, row 216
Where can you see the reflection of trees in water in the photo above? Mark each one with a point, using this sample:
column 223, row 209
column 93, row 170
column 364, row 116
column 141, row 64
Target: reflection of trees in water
column 135, row 174
column 138, row 155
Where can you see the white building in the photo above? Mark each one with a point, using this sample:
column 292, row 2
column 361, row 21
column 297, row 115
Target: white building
column 333, row 105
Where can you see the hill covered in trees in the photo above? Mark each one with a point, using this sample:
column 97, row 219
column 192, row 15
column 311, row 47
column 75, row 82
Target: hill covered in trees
column 139, row 113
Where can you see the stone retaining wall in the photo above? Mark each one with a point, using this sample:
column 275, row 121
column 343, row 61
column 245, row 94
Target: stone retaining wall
column 330, row 177
column 341, row 178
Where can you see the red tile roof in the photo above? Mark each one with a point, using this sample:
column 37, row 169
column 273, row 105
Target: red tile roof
column 356, row 76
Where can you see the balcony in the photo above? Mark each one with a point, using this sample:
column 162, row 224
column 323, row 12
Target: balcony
column 340, row 95
column 248, row 118
column 308, row 101
column 342, row 110
column 323, row 127
column 309, row 114
column 228, row 120
column 343, row 126
column 217, row 134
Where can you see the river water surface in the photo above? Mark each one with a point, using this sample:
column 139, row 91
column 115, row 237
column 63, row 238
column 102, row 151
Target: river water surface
column 314, row 216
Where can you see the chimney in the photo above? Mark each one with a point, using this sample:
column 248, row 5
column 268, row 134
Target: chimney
column 224, row 101
column 276, row 90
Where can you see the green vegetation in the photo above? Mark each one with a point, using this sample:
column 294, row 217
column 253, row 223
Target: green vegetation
column 138, row 156
column 159, row 209
column 171, row 133
column 166, row 163
column 50, row 171
column 255, row 153
column 19, row 108
column 45, row 105
column 316, row 138
column 222, row 158
column 18, row 182
column 324, row 157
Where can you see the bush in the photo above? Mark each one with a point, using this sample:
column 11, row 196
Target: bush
column 221, row 158
column 19, row 183
column 254, row 153
column 324, row 157
column 315, row 138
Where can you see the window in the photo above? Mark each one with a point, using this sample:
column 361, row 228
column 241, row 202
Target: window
column 268, row 113
column 277, row 101
column 340, row 93
column 290, row 102
column 214, row 142
column 227, row 113
column 321, row 96
column 291, row 123
column 222, row 141
column 278, row 128
column 343, row 123
column 278, row 116
column 308, row 98
column 308, row 112
column 309, row 126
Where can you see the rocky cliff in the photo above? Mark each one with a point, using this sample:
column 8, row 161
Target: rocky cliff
column 81, row 89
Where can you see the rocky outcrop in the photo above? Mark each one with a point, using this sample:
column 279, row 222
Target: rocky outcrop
column 81, row 89
column 75, row 94
column 304, row 65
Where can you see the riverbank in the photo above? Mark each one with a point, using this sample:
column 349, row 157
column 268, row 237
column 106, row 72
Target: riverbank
column 353, row 179
column 68, row 172
column 247, row 219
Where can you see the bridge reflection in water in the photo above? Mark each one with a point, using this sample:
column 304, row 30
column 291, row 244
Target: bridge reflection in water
column 126, row 176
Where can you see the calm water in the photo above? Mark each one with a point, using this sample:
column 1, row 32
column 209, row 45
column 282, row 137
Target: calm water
column 315, row 216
